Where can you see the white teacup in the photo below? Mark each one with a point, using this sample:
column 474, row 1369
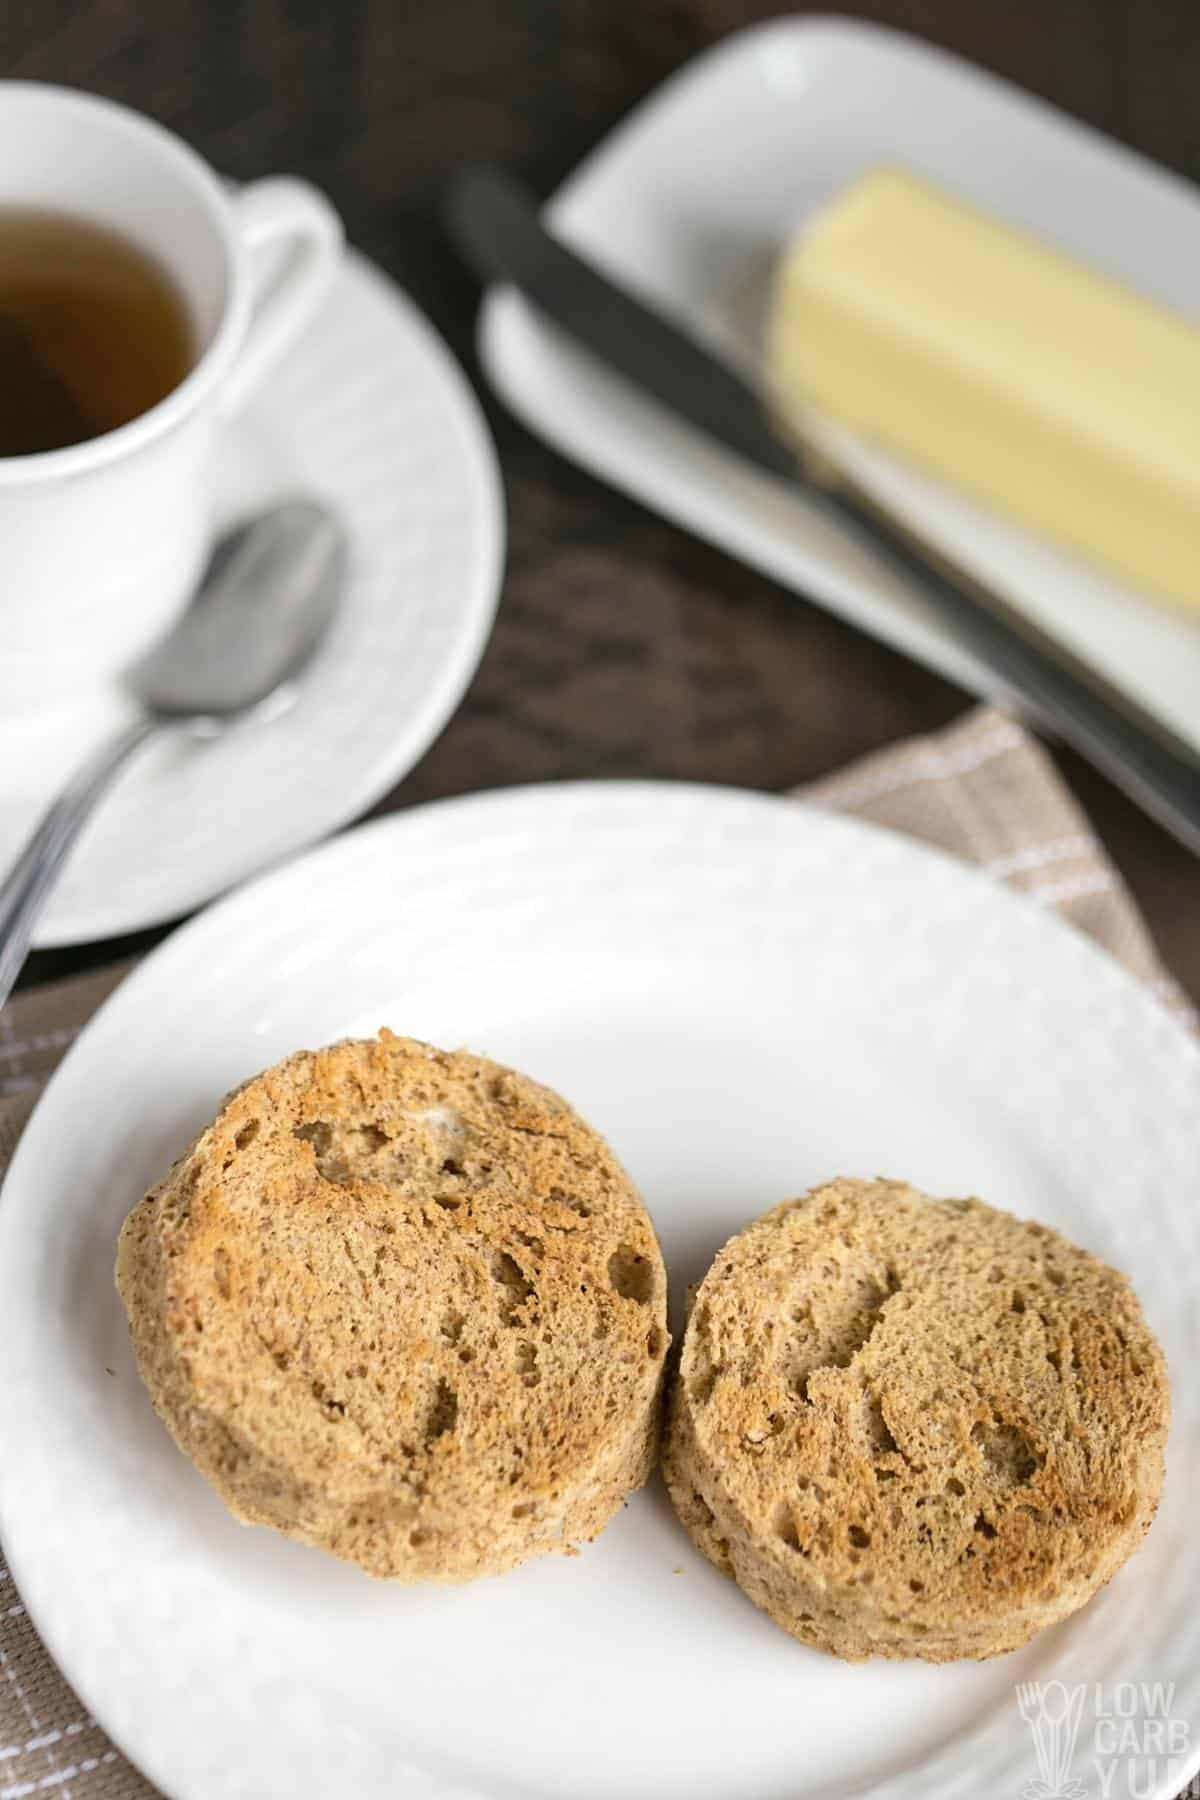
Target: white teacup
column 100, row 542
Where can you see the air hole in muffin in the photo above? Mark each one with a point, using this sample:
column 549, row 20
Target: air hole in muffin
column 451, row 1166
column 517, row 1289
column 954, row 1486
column 522, row 1509
column 373, row 1138
column 653, row 1342
column 703, row 1510
column 526, row 1361
column 447, row 1202
column 1011, row 1458
column 560, row 1197
column 703, row 1382
column 885, row 1474
column 452, row 1326
column 1055, row 1277
column 879, row 1437
column 1018, row 1301
column 443, row 1413
column 221, row 1270
column 859, row 1538
column 631, row 1274
column 418, row 1538
column 531, row 1243
column 754, row 1440
column 331, row 1165
column 246, row 1135
column 917, row 1587
column 785, row 1526
column 466, row 1355
column 1054, row 1358
column 984, row 1527
column 319, row 1134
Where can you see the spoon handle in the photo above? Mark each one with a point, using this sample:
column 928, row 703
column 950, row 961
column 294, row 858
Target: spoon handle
column 27, row 885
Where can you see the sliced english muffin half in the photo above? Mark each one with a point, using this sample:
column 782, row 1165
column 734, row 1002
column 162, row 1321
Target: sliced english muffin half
column 404, row 1305
column 914, row 1428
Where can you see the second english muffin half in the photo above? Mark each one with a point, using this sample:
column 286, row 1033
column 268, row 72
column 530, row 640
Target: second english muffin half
column 914, row 1427
column 404, row 1305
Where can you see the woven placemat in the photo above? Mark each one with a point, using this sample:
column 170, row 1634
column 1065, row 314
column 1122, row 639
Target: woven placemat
column 982, row 790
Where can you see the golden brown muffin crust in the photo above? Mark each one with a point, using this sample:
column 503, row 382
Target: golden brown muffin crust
column 405, row 1305
column 912, row 1427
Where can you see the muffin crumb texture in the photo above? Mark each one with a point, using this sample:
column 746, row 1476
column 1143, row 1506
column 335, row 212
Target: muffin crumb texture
column 914, row 1428
column 404, row 1305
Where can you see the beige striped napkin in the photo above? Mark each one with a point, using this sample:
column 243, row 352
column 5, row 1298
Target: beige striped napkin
column 982, row 790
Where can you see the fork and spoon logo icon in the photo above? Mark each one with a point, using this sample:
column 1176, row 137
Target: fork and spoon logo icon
column 1053, row 1713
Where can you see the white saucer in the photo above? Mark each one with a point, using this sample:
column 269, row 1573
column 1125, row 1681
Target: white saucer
column 370, row 411
column 746, row 996
column 689, row 202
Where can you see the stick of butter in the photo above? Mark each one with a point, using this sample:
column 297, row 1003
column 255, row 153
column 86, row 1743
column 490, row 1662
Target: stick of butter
column 1048, row 391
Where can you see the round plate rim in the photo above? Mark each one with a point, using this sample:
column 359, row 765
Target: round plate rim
column 1096, row 962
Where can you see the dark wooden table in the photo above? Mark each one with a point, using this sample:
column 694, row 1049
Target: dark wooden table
column 622, row 646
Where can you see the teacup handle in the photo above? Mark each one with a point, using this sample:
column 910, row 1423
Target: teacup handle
column 280, row 213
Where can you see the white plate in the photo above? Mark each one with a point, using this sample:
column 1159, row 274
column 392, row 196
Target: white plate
column 690, row 200
column 746, row 996
column 371, row 411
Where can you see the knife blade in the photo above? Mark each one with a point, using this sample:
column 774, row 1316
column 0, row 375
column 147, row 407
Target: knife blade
column 496, row 224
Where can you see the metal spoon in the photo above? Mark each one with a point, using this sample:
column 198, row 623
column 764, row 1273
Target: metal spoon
column 265, row 603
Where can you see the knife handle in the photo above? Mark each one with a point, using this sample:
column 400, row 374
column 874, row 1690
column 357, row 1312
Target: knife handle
column 497, row 225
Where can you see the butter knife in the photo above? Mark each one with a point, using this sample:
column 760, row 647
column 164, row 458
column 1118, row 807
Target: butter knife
column 496, row 225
